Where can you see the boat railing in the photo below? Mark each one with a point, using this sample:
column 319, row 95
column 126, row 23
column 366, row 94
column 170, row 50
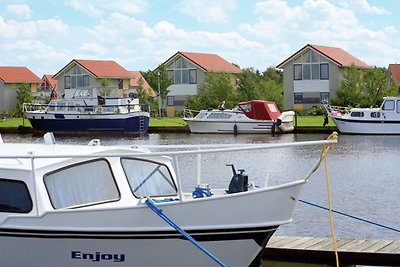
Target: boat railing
column 174, row 151
column 190, row 113
column 100, row 109
column 337, row 109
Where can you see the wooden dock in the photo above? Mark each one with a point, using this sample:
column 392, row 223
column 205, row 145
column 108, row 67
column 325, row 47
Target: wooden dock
column 320, row 250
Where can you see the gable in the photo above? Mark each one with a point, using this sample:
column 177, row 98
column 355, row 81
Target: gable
column 335, row 55
column 204, row 61
column 98, row 68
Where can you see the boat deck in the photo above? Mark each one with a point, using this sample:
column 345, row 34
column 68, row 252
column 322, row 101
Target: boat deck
column 320, row 250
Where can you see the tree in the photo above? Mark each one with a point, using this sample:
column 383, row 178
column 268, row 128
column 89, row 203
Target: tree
column 145, row 97
column 23, row 96
column 363, row 87
column 164, row 79
column 215, row 88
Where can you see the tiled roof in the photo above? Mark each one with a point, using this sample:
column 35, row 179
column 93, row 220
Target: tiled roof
column 208, row 62
column 395, row 71
column 337, row 55
column 50, row 80
column 134, row 82
column 100, row 68
column 18, row 75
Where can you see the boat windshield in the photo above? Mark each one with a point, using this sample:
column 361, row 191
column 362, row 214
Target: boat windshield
column 148, row 178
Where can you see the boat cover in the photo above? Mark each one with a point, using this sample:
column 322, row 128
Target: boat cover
column 260, row 109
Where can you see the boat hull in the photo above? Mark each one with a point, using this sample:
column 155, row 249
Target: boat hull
column 117, row 123
column 234, row 228
column 168, row 250
column 198, row 126
column 353, row 126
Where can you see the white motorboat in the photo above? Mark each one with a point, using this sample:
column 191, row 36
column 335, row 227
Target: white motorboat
column 75, row 205
column 256, row 116
column 87, row 112
column 382, row 120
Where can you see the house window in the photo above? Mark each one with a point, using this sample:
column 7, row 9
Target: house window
column 85, row 80
column 178, row 76
column 298, row 98
column 297, row 71
column 14, row 197
column 192, row 76
column 306, row 71
column 171, row 75
column 121, row 84
column 324, row 97
column 170, row 100
column 324, row 71
column 67, row 82
column 315, row 71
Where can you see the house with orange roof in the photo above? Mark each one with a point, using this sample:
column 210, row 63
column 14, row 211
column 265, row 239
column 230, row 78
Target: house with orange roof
column 137, row 80
column 11, row 78
column 187, row 71
column 312, row 75
column 106, row 76
column 394, row 75
column 48, row 87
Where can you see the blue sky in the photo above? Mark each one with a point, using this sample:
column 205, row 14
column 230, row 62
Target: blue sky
column 45, row 35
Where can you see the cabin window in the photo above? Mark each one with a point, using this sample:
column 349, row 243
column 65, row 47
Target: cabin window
column 219, row 115
column 14, row 197
column 388, row 105
column 375, row 114
column 81, row 184
column 357, row 114
column 148, row 178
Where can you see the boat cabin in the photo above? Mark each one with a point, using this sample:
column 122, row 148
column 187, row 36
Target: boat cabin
column 260, row 109
column 53, row 183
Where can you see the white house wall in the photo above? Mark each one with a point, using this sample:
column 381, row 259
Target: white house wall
column 311, row 86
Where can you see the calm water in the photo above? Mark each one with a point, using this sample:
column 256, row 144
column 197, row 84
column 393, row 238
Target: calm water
column 363, row 175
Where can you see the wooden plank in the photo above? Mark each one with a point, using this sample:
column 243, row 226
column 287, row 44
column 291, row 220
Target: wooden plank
column 285, row 241
column 365, row 245
column 391, row 247
column 310, row 243
column 296, row 243
column 377, row 246
column 350, row 245
column 339, row 242
column 320, row 244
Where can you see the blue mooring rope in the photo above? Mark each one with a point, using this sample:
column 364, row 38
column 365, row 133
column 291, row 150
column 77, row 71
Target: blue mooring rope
column 152, row 205
column 350, row 216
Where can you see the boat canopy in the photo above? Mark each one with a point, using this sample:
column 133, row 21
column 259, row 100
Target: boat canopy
column 260, row 109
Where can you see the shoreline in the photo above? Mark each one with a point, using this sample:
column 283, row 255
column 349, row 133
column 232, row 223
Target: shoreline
column 177, row 129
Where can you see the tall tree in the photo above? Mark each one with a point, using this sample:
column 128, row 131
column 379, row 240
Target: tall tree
column 24, row 95
column 363, row 87
column 215, row 88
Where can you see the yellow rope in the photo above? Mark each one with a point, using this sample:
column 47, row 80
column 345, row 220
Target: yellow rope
column 323, row 154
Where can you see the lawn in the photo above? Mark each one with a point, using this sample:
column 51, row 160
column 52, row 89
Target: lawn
column 315, row 121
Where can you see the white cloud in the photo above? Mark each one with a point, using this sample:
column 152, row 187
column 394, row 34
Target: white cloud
column 11, row 29
column 19, row 10
column 208, row 11
column 364, row 6
column 93, row 48
column 319, row 22
column 97, row 8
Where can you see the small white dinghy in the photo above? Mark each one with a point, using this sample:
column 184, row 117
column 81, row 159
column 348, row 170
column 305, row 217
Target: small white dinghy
column 74, row 205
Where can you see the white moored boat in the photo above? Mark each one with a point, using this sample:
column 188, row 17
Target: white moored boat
column 69, row 205
column 382, row 120
column 256, row 116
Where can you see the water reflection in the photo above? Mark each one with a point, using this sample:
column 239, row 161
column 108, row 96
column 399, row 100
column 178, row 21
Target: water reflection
column 362, row 169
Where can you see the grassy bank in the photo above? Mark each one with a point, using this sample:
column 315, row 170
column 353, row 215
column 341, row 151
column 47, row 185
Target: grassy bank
column 315, row 121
